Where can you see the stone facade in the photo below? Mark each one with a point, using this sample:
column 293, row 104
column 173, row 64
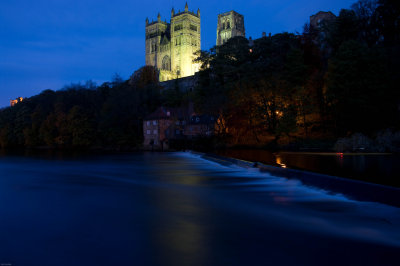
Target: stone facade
column 170, row 47
column 180, row 123
column 230, row 24
column 186, row 84
column 200, row 126
column 158, row 126
column 317, row 19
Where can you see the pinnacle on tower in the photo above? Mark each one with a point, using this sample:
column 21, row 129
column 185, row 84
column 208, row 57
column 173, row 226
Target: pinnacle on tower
column 172, row 12
column 186, row 7
column 198, row 12
column 147, row 21
column 159, row 17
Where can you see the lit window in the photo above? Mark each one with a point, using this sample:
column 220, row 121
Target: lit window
column 154, row 122
column 148, row 123
column 148, row 132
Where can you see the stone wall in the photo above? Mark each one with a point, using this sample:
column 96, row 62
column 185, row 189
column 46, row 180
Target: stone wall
column 186, row 84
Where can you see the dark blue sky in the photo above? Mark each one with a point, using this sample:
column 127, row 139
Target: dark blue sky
column 46, row 44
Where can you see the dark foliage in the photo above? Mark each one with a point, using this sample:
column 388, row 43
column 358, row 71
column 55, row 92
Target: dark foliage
column 83, row 116
column 335, row 79
column 331, row 81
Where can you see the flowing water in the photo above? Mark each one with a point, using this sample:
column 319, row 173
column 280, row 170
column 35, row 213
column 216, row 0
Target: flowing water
column 375, row 168
column 180, row 209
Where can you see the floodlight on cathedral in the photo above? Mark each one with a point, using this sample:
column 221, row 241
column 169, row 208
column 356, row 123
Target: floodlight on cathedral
column 171, row 47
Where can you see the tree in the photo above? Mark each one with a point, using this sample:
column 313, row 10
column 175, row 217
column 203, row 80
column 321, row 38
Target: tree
column 356, row 89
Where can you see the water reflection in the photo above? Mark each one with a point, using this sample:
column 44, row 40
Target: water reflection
column 339, row 158
column 375, row 168
column 179, row 228
column 180, row 209
column 179, row 234
column 279, row 161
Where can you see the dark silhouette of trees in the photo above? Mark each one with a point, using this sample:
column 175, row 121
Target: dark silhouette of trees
column 333, row 80
column 83, row 116
column 330, row 81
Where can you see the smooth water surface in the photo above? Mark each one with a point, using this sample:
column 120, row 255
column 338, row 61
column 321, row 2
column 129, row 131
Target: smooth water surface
column 375, row 168
column 179, row 209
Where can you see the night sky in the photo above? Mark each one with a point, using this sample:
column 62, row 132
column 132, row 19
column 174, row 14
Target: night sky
column 46, row 44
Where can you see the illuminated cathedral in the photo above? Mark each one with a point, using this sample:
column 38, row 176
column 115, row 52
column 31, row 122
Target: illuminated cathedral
column 171, row 47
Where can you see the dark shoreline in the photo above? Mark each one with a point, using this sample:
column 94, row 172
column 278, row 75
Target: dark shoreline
column 354, row 189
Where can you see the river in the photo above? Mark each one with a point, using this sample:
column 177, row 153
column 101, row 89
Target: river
column 376, row 168
column 180, row 209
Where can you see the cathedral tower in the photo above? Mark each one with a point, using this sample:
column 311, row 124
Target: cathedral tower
column 156, row 31
column 170, row 47
column 230, row 24
column 185, row 40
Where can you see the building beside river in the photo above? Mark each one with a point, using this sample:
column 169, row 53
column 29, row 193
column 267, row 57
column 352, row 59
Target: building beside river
column 180, row 123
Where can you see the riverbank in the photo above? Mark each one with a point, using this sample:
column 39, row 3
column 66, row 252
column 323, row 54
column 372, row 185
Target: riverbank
column 378, row 168
column 354, row 189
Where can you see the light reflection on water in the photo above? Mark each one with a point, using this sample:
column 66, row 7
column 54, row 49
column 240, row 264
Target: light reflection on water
column 376, row 168
column 179, row 209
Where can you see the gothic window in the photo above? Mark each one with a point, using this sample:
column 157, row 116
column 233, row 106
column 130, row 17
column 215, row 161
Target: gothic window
column 178, row 27
column 228, row 24
column 166, row 63
column 223, row 25
column 153, row 47
column 193, row 27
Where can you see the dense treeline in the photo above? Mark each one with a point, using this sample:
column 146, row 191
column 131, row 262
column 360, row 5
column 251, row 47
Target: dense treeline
column 339, row 79
column 81, row 116
column 331, row 81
